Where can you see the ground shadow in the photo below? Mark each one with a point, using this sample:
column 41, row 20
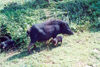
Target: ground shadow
column 20, row 55
column 36, row 50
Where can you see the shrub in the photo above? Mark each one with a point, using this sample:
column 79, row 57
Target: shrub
column 16, row 18
column 81, row 11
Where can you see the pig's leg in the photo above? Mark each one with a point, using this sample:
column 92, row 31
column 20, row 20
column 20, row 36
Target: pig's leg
column 30, row 45
column 56, row 42
column 61, row 41
column 34, row 46
column 32, row 42
column 47, row 44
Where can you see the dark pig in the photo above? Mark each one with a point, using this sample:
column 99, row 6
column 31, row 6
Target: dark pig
column 44, row 31
column 6, row 45
column 56, row 40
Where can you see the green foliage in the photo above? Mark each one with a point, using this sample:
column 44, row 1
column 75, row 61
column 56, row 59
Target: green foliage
column 16, row 18
column 95, row 10
column 81, row 11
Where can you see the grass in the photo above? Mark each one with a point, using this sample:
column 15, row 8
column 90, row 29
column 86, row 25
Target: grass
column 78, row 50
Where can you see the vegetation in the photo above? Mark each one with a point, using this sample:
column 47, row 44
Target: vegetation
column 16, row 16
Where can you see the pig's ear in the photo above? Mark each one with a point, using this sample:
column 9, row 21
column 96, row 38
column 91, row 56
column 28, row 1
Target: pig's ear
column 62, row 24
column 28, row 31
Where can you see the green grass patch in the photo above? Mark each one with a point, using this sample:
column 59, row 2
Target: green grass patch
column 79, row 50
